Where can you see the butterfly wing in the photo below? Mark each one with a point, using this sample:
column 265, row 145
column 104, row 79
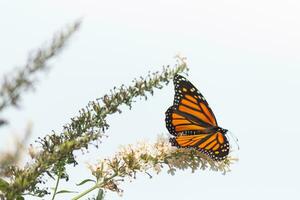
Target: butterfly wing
column 190, row 101
column 178, row 122
column 193, row 123
column 215, row 145
column 190, row 113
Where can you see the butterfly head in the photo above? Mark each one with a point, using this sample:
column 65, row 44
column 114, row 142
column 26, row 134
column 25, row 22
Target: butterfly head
column 222, row 130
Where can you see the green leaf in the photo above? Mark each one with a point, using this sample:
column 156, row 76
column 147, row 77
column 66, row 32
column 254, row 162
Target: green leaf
column 49, row 174
column 20, row 198
column 85, row 181
column 65, row 191
column 3, row 185
column 100, row 195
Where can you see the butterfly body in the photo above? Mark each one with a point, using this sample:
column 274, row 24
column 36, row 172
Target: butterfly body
column 193, row 123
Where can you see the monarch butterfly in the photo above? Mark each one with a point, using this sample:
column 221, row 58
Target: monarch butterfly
column 193, row 123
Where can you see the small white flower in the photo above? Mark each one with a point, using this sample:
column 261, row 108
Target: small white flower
column 146, row 157
column 33, row 152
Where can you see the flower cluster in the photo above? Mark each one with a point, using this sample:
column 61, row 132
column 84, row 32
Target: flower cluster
column 57, row 149
column 152, row 158
column 23, row 79
column 14, row 181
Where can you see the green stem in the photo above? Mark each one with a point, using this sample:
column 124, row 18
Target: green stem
column 98, row 185
column 56, row 186
column 86, row 192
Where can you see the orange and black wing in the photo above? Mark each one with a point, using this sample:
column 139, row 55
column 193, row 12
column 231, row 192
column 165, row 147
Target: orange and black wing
column 190, row 113
column 182, row 123
column 189, row 100
column 214, row 145
column 193, row 123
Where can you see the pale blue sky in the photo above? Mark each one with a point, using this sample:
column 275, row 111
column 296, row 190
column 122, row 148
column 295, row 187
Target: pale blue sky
column 243, row 56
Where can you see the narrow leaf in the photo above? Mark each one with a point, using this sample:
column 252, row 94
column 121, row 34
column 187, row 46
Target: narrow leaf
column 49, row 174
column 85, row 181
column 3, row 185
column 65, row 191
column 100, row 195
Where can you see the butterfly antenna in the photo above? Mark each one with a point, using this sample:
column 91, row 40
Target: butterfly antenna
column 235, row 139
